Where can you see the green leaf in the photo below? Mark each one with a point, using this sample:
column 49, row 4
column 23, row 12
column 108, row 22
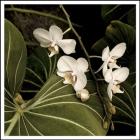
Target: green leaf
column 107, row 11
column 56, row 110
column 39, row 69
column 131, row 17
column 99, row 45
column 125, row 106
column 118, row 32
column 41, row 58
column 118, row 12
column 15, row 58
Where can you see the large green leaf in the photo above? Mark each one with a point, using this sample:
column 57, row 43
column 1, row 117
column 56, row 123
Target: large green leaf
column 15, row 65
column 15, row 58
column 55, row 110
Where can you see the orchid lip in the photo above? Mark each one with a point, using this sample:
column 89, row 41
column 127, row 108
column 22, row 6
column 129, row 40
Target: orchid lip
column 53, row 50
column 69, row 78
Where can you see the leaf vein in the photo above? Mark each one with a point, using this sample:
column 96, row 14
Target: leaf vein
column 35, row 74
column 35, row 129
column 62, row 119
column 58, row 103
column 125, row 105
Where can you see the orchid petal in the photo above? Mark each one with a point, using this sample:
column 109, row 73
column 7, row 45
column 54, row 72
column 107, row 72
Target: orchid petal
column 108, row 76
column 105, row 53
column 80, row 82
column 82, row 64
column 104, row 67
column 109, row 91
column 118, row 50
column 66, row 64
column 56, row 33
column 121, row 74
column 42, row 36
column 61, row 74
column 67, row 45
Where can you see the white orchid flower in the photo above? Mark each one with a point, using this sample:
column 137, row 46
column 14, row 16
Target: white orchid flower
column 83, row 94
column 114, row 78
column 52, row 40
column 110, row 57
column 73, row 71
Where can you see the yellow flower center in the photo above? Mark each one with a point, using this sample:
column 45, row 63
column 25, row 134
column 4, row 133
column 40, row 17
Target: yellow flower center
column 69, row 78
column 112, row 60
column 115, row 88
column 54, row 49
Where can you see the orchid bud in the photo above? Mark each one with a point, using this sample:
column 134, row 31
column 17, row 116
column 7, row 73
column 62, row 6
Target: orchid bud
column 84, row 95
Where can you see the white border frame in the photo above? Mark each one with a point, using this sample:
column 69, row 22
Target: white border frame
column 69, row 2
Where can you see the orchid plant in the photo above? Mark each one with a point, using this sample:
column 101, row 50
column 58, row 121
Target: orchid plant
column 68, row 96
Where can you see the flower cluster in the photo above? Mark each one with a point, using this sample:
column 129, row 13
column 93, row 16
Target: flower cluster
column 111, row 76
column 72, row 70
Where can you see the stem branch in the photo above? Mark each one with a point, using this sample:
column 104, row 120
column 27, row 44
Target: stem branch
column 66, row 31
column 39, row 13
column 87, row 56
column 83, row 47
column 94, row 56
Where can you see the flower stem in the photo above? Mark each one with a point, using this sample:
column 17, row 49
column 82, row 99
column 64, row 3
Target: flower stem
column 87, row 56
column 101, row 79
column 67, row 31
column 79, row 39
column 94, row 56
column 40, row 14
column 12, row 124
column 29, row 43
